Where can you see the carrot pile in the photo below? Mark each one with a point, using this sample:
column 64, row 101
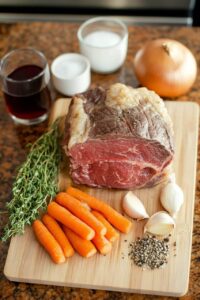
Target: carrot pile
column 76, row 221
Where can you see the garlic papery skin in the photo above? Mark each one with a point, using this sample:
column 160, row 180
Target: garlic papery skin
column 160, row 223
column 172, row 198
column 133, row 207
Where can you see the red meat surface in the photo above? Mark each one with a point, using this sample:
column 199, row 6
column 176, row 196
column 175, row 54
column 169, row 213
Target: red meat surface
column 124, row 149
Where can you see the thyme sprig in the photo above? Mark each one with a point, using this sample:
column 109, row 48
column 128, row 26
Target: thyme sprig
column 36, row 183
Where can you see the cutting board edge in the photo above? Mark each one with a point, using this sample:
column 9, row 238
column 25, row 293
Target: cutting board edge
column 98, row 287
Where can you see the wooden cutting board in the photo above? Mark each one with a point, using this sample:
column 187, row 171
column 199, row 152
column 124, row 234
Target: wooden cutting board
column 28, row 262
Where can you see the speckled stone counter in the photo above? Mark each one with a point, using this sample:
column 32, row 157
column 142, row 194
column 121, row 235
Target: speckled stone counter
column 53, row 39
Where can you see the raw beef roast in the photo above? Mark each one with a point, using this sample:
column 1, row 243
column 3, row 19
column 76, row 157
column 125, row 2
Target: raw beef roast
column 118, row 138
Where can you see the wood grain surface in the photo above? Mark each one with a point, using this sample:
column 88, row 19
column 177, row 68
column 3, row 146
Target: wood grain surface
column 28, row 262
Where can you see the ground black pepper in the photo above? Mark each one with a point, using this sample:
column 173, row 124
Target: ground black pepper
column 149, row 252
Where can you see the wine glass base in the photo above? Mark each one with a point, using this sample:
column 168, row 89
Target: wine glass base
column 31, row 121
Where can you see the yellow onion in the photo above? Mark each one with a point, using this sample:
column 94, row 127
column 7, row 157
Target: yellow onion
column 166, row 67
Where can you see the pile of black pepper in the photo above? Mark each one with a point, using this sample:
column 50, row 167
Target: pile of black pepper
column 149, row 252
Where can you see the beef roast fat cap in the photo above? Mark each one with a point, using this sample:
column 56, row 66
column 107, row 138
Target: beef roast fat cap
column 99, row 113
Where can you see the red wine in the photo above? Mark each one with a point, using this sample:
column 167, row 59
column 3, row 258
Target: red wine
column 27, row 99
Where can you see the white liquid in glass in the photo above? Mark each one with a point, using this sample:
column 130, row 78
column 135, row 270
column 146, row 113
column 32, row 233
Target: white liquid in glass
column 106, row 50
column 102, row 39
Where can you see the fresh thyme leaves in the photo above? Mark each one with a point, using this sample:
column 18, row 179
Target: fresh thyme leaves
column 36, row 182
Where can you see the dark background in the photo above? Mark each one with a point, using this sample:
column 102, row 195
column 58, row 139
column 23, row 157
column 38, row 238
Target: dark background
column 196, row 14
column 57, row 8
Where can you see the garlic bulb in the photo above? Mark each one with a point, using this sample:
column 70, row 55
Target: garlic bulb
column 133, row 207
column 171, row 198
column 160, row 223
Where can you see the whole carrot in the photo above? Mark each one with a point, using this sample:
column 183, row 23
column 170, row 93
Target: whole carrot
column 115, row 218
column 58, row 234
column 83, row 247
column 102, row 244
column 62, row 215
column 111, row 233
column 47, row 240
column 81, row 212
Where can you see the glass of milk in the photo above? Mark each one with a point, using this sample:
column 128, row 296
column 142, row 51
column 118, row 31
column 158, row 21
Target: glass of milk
column 104, row 41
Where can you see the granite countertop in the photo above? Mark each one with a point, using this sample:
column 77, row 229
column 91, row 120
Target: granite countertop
column 53, row 39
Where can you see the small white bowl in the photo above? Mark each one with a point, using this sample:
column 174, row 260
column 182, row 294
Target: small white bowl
column 71, row 73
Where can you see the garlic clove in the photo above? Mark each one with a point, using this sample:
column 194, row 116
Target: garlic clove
column 133, row 207
column 160, row 223
column 172, row 177
column 172, row 198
